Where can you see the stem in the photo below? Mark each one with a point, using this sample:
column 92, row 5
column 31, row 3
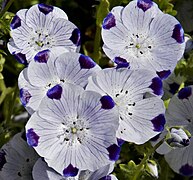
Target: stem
column 6, row 8
column 146, row 157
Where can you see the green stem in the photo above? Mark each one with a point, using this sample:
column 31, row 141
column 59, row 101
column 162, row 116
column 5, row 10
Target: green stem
column 102, row 11
column 6, row 8
column 146, row 157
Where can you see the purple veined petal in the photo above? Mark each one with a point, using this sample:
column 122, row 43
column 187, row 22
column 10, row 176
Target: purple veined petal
column 109, row 21
column 70, row 171
column 32, row 138
column 185, row 93
column 55, row 92
column 57, row 120
column 121, row 62
column 46, row 9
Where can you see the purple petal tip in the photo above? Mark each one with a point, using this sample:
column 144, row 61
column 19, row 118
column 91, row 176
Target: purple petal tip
column 121, row 63
column 55, row 92
column 16, row 22
column 173, row 87
column 163, row 74
column 186, row 170
column 109, row 21
column 114, row 152
column 185, row 93
column 86, row 62
column 144, row 4
column 75, row 38
column 24, row 96
column 46, row 9
column 70, row 171
column 107, row 102
column 21, row 58
column 156, row 86
column 42, row 56
column 178, row 33
column 32, row 138
column 158, row 123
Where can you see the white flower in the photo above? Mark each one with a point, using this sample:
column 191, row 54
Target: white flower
column 17, row 159
column 75, row 132
column 180, row 113
column 144, row 37
column 42, row 27
column 141, row 115
column 43, row 172
column 44, row 76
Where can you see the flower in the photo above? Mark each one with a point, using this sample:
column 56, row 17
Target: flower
column 42, row 27
column 76, row 132
column 44, row 76
column 17, row 159
column 43, row 172
column 136, row 94
column 180, row 114
column 141, row 35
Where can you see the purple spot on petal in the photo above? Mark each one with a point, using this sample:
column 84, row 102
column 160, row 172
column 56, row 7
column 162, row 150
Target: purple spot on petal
column 21, row 58
column 42, row 56
column 16, row 22
column 106, row 178
column 184, row 93
column 144, row 4
column 2, row 159
column 121, row 62
column 75, row 38
column 158, row 123
column 32, row 137
column 186, row 170
column 70, row 171
column 156, row 86
column 86, row 62
column 114, row 152
column 163, row 74
column 178, row 33
column 120, row 142
column 109, row 21
column 46, row 9
column 185, row 142
column 24, row 96
column 107, row 102
column 55, row 92
column 174, row 87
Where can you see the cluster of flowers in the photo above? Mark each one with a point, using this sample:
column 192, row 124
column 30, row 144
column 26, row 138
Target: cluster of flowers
column 81, row 114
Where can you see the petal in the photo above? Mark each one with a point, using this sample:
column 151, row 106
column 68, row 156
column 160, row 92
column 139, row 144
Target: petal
column 70, row 171
column 42, row 56
column 55, row 92
column 107, row 102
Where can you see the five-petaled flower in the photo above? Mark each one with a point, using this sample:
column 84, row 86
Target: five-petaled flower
column 76, row 132
column 42, row 27
column 144, row 37
column 44, row 76
column 136, row 93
